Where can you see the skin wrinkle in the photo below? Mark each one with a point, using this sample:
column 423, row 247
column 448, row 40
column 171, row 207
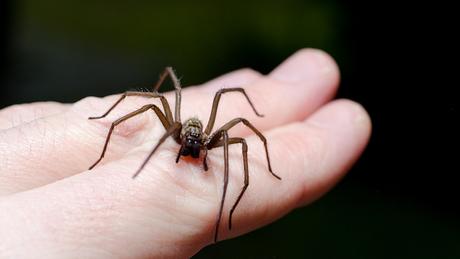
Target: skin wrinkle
column 42, row 142
column 163, row 183
column 317, row 143
column 22, row 153
column 57, row 138
column 19, row 221
column 133, row 132
column 4, row 160
column 18, row 114
column 196, row 190
column 33, row 143
column 313, row 163
column 51, row 225
column 164, row 243
column 124, row 129
column 291, row 149
column 93, row 149
column 191, row 216
column 95, row 208
column 175, row 178
column 187, row 170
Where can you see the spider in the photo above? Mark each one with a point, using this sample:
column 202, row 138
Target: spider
column 190, row 135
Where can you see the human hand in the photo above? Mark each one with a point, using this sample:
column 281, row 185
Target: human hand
column 51, row 206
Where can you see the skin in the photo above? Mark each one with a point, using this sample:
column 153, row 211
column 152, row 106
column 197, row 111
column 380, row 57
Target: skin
column 53, row 207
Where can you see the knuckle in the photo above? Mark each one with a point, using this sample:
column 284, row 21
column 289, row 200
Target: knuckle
column 308, row 149
column 249, row 74
column 87, row 105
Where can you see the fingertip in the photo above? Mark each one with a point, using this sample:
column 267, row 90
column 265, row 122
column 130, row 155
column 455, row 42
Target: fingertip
column 319, row 151
column 307, row 64
column 343, row 114
column 344, row 128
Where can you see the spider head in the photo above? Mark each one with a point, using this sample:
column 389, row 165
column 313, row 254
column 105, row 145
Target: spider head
column 191, row 146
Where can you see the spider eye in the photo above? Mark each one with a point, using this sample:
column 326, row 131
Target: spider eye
column 192, row 142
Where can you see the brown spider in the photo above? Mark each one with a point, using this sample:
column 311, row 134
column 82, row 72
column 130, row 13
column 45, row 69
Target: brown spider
column 190, row 134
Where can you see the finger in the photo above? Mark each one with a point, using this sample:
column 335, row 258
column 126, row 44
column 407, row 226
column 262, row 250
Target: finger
column 291, row 92
column 17, row 115
column 66, row 139
column 311, row 157
column 59, row 146
column 171, row 208
column 238, row 78
column 285, row 99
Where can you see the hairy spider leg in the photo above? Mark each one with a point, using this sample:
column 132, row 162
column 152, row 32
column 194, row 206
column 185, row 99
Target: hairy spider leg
column 144, row 108
column 173, row 130
column 205, row 158
column 164, row 102
column 224, row 191
column 167, row 71
column 215, row 141
column 166, row 119
column 170, row 71
column 214, row 138
column 246, row 171
column 215, row 104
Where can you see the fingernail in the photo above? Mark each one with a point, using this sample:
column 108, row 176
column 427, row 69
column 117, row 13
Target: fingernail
column 360, row 115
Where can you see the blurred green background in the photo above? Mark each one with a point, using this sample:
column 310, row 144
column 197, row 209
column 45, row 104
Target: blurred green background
column 78, row 48
column 66, row 50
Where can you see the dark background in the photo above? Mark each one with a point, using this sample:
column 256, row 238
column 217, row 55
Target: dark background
column 401, row 200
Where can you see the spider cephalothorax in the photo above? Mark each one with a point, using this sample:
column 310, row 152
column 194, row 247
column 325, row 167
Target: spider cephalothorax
column 191, row 136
